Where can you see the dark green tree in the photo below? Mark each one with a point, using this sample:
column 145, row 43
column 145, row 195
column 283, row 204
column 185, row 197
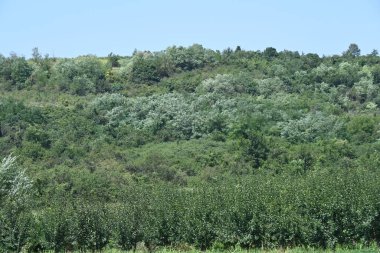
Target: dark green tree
column 270, row 53
column 36, row 56
column 374, row 53
column 144, row 70
column 352, row 51
column 113, row 60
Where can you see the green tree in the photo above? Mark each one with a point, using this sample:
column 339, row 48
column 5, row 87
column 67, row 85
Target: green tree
column 353, row 50
column 374, row 53
column 363, row 128
column 113, row 60
column 36, row 56
column 144, row 70
column 15, row 70
column 14, row 183
column 15, row 189
column 270, row 53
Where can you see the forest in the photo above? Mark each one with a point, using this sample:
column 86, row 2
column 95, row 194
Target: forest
column 190, row 148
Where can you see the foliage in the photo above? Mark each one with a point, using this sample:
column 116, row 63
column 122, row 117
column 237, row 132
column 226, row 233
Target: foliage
column 13, row 182
column 311, row 127
column 353, row 50
column 190, row 149
column 144, row 70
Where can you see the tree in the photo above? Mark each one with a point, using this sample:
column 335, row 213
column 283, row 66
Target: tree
column 270, row 53
column 144, row 70
column 363, row 128
column 313, row 126
column 374, row 53
column 36, row 56
column 252, row 142
column 15, row 70
column 113, row 60
column 14, row 203
column 310, row 61
column 352, row 51
column 81, row 75
column 193, row 57
column 13, row 181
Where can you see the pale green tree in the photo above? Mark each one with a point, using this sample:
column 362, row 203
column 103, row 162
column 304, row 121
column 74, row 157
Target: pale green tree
column 13, row 181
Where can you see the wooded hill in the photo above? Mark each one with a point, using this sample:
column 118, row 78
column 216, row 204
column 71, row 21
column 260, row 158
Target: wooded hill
column 190, row 147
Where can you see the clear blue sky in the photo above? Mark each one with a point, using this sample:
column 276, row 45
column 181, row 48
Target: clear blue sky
column 66, row 28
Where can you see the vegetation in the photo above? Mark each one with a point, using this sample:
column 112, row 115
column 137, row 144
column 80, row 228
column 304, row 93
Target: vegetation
column 190, row 149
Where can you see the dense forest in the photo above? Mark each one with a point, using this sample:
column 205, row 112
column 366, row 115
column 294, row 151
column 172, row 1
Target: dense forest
column 189, row 148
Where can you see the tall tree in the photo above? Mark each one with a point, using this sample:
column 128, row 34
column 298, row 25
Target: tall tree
column 353, row 50
column 36, row 56
column 374, row 53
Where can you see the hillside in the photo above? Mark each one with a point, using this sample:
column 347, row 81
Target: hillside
column 190, row 147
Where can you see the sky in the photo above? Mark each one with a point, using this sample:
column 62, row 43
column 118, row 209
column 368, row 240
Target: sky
column 69, row 28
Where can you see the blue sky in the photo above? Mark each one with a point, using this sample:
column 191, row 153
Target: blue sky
column 67, row 28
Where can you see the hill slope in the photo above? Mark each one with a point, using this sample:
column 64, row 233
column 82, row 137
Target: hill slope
column 190, row 146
